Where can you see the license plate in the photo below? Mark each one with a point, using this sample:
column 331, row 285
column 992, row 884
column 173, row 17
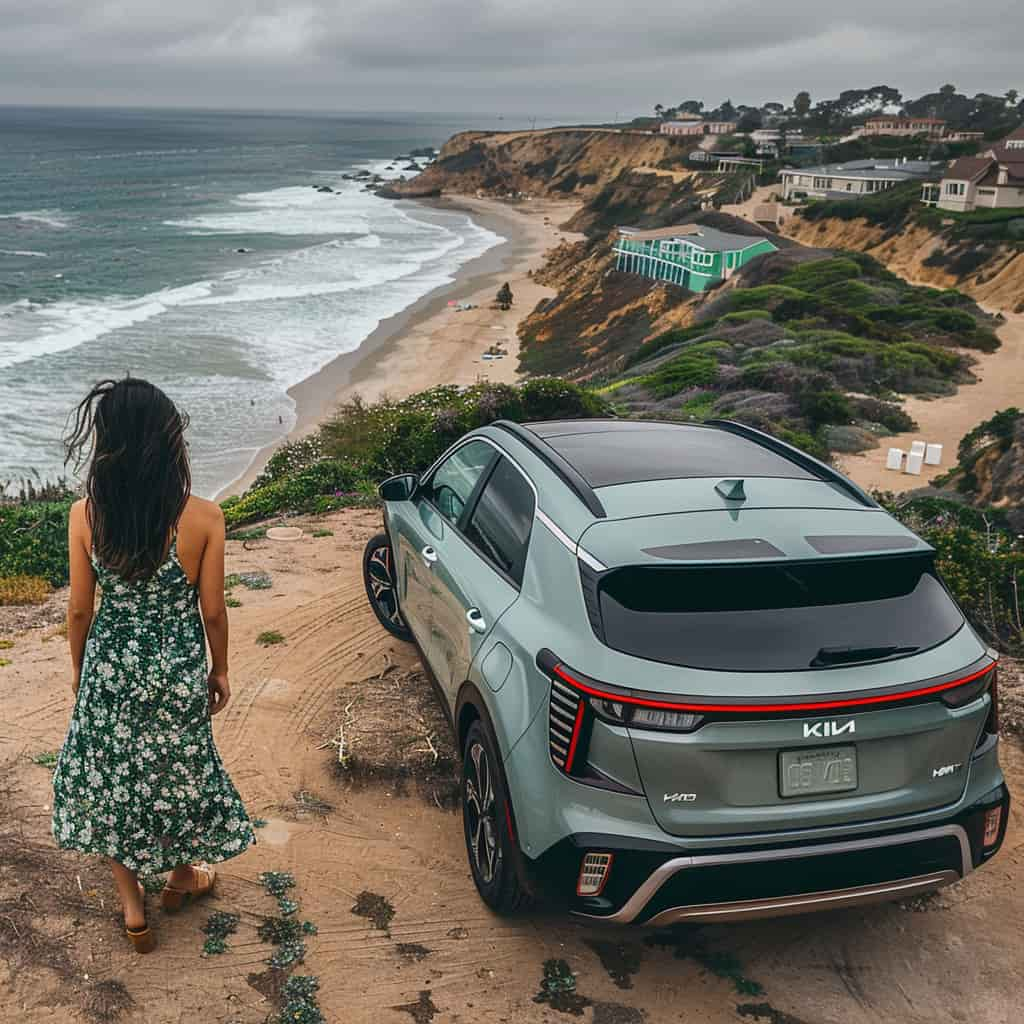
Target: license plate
column 807, row 772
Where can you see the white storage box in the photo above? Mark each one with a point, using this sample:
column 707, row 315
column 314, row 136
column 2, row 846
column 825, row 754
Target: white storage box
column 895, row 459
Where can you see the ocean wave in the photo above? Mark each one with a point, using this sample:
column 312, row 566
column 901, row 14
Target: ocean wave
column 48, row 218
column 296, row 210
column 67, row 324
column 23, row 252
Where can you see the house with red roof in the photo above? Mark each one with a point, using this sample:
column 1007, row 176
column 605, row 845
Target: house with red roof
column 994, row 179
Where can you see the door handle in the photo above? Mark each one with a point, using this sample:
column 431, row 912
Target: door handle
column 429, row 556
column 476, row 621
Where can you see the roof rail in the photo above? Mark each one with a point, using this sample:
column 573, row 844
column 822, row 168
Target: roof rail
column 556, row 462
column 820, row 469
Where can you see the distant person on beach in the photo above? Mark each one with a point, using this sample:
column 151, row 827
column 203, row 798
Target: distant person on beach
column 139, row 779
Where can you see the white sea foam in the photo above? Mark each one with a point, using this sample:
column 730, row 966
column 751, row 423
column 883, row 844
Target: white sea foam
column 286, row 211
column 23, row 252
column 48, row 218
column 389, row 267
column 230, row 346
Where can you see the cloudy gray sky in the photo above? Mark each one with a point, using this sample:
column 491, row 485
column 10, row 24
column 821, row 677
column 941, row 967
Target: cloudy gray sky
column 586, row 57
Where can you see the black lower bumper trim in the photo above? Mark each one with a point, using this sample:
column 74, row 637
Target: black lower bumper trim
column 859, row 868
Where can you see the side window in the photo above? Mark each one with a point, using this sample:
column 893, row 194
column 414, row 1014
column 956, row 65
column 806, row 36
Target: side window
column 453, row 481
column 501, row 522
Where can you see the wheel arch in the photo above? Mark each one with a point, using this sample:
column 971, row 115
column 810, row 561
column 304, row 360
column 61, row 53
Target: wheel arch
column 470, row 707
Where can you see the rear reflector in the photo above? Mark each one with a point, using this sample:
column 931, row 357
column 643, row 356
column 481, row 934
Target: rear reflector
column 993, row 819
column 594, row 872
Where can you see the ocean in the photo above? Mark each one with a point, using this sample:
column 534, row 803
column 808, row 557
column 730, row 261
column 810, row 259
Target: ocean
column 193, row 249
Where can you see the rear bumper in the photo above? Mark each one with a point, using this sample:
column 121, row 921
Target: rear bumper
column 656, row 884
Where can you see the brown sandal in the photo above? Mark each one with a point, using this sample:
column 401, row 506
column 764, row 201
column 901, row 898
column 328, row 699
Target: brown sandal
column 141, row 938
column 203, row 878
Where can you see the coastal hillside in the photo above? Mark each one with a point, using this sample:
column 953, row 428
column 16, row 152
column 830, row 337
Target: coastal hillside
column 990, row 467
column 621, row 174
column 980, row 253
column 811, row 342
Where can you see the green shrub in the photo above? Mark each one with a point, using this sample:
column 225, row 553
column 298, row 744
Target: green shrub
column 362, row 444
column 895, row 419
column 677, row 336
column 982, row 564
column 821, row 407
column 743, row 315
column 34, row 540
column 765, row 296
column 693, row 367
column 817, row 274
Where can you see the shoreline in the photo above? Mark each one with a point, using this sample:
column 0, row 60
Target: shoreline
column 429, row 343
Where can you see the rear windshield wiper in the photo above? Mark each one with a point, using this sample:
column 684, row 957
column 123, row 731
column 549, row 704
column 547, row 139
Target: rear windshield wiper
column 850, row 655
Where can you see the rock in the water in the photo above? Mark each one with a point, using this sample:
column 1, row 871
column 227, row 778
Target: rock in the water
column 407, row 192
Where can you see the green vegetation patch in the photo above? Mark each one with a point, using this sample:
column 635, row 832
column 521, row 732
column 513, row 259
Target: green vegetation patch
column 46, row 759
column 250, row 580
column 219, row 926
column 33, row 541
column 270, row 638
column 695, row 367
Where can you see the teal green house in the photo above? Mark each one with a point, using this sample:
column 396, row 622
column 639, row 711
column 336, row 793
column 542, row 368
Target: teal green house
column 690, row 255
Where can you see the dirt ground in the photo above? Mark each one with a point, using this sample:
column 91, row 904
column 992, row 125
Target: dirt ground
column 368, row 837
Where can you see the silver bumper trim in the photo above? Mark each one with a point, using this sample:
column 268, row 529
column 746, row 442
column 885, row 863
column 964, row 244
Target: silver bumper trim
column 636, row 903
column 835, row 899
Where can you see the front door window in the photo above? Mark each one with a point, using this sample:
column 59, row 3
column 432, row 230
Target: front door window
column 452, row 483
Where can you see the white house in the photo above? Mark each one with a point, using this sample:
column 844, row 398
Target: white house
column 993, row 179
column 851, row 179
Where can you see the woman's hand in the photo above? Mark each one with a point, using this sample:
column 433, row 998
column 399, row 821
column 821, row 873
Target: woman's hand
column 75, row 681
column 220, row 692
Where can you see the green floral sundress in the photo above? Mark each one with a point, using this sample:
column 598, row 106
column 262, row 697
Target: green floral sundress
column 139, row 778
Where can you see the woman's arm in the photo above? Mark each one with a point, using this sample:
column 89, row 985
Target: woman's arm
column 215, row 612
column 83, row 589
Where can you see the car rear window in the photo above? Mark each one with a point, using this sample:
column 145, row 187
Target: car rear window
column 778, row 617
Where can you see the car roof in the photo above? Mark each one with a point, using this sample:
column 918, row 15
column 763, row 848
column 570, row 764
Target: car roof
column 609, row 453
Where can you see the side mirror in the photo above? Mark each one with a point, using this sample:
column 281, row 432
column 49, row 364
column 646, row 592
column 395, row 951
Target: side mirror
column 398, row 488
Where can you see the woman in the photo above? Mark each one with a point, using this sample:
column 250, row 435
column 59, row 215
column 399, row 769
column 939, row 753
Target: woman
column 139, row 779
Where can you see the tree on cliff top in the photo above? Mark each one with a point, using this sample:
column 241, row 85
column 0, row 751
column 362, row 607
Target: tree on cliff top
column 504, row 296
column 802, row 103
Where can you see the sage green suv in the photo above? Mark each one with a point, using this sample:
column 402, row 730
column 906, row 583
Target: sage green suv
column 693, row 673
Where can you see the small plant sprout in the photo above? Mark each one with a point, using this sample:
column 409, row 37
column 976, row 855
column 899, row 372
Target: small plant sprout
column 269, row 638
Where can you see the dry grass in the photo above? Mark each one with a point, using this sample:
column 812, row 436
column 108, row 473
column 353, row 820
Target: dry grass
column 22, row 590
column 390, row 730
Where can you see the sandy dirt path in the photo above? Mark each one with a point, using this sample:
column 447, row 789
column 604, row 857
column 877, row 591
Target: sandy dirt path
column 1000, row 384
column 445, row 957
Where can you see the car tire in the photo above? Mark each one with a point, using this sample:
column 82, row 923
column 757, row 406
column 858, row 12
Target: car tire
column 381, row 586
column 493, row 853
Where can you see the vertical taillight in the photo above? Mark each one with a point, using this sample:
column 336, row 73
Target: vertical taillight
column 992, row 722
column 565, row 717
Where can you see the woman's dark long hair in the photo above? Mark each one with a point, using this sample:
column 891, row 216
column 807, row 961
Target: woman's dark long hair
column 138, row 480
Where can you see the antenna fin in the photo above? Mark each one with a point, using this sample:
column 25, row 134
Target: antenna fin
column 732, row 490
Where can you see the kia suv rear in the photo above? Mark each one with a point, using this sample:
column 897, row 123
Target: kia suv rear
column 693, row 672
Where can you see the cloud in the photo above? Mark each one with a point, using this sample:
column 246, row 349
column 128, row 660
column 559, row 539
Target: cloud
column 576, row 56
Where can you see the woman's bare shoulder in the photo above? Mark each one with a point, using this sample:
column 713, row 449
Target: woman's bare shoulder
column 203, row 513
column 79, row 512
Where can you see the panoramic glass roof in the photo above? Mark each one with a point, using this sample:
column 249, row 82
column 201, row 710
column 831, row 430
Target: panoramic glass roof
column 607, row 452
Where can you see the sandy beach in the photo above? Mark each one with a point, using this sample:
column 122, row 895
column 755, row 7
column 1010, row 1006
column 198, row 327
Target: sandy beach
column 432, row 342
